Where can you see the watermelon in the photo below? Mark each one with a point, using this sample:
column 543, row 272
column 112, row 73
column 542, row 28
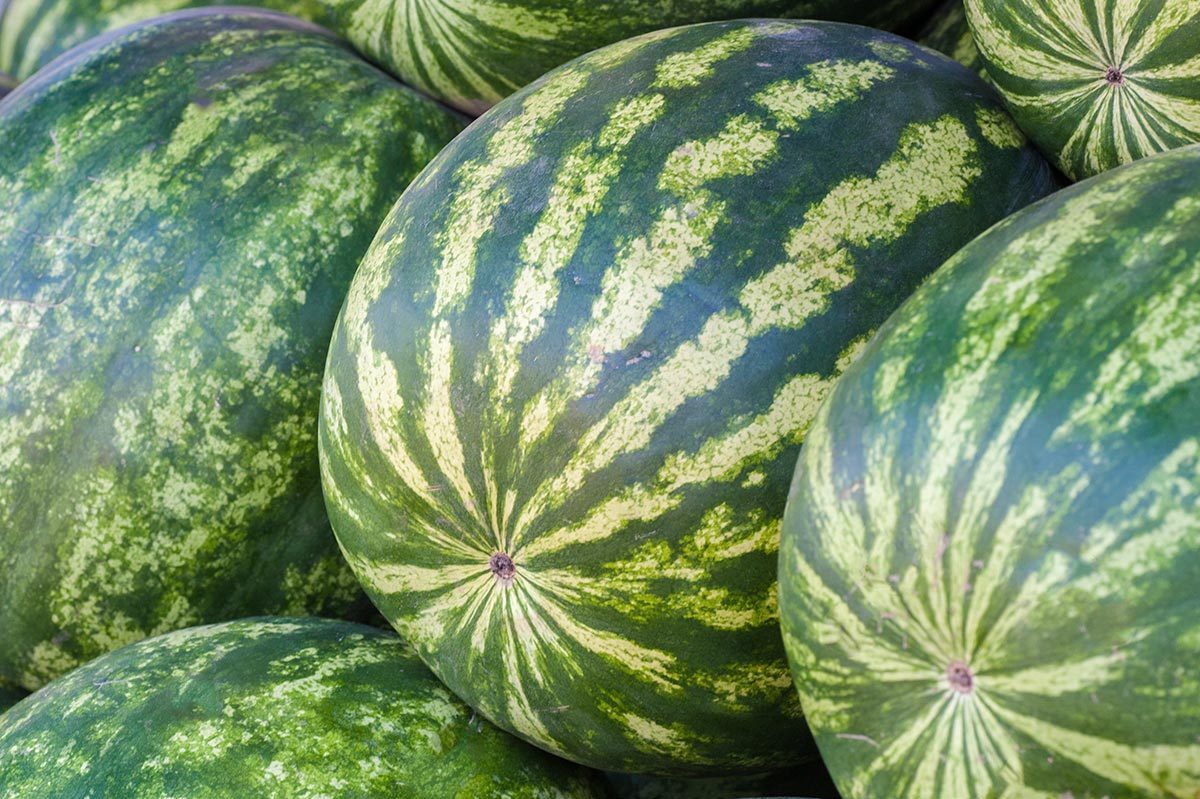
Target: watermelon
column 992, row 545
column 566, row 392
column 268, row 707
column 186, row 202
column 34, row 32
column 1095, row 83
column 469, row 53
column 948, row 32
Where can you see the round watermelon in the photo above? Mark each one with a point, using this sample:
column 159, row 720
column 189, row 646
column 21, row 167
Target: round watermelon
column 469, row 53
column 268, row 707
column 1095, row 83
column 948, row 32
column 992, row 545
column 185, row 204
column 566, row 392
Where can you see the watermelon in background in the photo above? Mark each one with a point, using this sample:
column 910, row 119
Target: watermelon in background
column 270, row 708
column 472, row 53
column 991, row 551
column 34, row 32
column 948, row 32
column 185, row 204
column 566, row 392
column 1095, row 83
column 469, row 53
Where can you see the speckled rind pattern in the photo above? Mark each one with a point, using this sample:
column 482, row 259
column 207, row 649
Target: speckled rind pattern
column 186, row 203
column 276, row 708
column 592, row 335
column 1007, row 481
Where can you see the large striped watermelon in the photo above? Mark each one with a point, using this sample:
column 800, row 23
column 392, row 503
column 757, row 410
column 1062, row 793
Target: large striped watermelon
column 991, row 557
column 566, row 392
column 302, row 708
column 1095, row 83
column 185, row 203
column 469, row 53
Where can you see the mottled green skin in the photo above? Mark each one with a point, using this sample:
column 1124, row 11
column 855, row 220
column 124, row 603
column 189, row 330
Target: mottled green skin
column 948, row 32
column 591, row 336
column 34, row 32
column 469, row 53
column 185, row 206
column 298, row 708
column 1095, row 83
column 1007, row 479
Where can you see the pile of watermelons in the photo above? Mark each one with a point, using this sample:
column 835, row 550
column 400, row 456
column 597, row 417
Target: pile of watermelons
column 734, row 408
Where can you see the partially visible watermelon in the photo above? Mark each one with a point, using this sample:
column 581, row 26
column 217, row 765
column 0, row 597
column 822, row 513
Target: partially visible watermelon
column 265, row 707
column 184, row 204
column 1095, row 83
column 990, row 570
column 34, row 32
column 948, row 32
column 469, row 53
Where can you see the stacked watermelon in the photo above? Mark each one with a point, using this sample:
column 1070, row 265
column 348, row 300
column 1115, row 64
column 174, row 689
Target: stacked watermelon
column 549, row 425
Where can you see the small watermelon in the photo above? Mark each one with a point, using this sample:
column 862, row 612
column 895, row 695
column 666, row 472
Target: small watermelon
column 267, row 707
column 185, row 202
column 991, row 551
column 566, row 393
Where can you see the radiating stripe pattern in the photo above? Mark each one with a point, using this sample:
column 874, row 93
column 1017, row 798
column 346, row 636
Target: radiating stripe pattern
column 567, row 389
column 1095, row 83
column 991, row 550
column 469, row 53
column 185, row 205
column 275, row 707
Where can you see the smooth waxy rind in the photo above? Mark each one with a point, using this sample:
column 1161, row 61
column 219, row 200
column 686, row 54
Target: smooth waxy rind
column 469, row 53
column 301, row 708
column 992, row 542
column 1095, row 84
column 948, row 32
column 590, row 338
column 186, row 203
